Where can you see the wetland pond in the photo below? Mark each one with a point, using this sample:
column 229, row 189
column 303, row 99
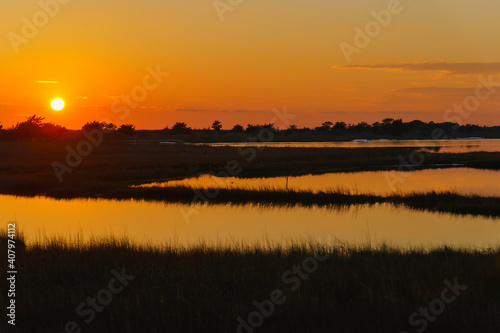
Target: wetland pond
column 467, row 145
column 461, row 180
column 166, row 223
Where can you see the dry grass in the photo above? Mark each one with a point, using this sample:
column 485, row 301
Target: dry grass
column 26, row 166
column 204, row 289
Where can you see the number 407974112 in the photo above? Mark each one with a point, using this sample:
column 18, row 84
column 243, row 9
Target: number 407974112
column 11, row 245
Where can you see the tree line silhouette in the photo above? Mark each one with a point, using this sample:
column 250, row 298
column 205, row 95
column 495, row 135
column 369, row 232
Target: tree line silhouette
column 34, row 128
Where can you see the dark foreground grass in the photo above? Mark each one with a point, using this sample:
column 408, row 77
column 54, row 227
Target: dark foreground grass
column 206, row 289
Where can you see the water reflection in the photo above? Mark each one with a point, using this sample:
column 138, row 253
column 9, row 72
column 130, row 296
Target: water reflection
column 441, row 146
column 461, row 180
column 160, row 223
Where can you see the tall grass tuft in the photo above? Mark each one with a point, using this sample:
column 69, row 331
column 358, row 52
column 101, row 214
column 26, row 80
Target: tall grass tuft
column 370, row 288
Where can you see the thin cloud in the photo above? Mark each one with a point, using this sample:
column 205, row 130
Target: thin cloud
column 189, row 110
column 204, row 110
column 47, row 82
column 397, row 112
column 111, row 96
column 438, row 91
column 240, row 111
column 159, row 108
column 338, row 112
column 455, row 68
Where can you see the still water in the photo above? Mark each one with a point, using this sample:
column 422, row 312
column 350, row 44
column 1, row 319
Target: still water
column 441, row 146
column 461, row 180
column 160, row 223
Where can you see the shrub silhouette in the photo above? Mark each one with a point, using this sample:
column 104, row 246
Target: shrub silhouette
column 180, row 128
column 126, row 129
column 217, row 126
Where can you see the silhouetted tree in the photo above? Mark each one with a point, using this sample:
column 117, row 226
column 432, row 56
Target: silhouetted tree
column 237, row 128
column 217, row 126
column 327, row 125
column 109, row 126
column 126, row 129
column 30, row 128
column 33, row 128
column 269, row 126
column 340, row 126
column 52, row 131
column 397, row 127
column 90, row 126
column 255, row 128
column 291, row 129
column 361, row 127
column 101, row 126
column 180, row 128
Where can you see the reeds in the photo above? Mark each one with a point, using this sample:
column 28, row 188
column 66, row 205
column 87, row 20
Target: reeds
column 201, row 288
column 26, row 166
column 444, row 202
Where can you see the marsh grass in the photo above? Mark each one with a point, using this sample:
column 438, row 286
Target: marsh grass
column 114, row 165
column 205, row 288
column 270, row 196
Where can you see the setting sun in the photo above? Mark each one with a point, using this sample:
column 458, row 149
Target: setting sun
column 57, row 104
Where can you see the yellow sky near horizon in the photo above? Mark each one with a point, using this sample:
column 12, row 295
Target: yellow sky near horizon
column 263, row 55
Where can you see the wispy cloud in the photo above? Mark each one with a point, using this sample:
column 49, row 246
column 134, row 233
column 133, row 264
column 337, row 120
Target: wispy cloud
column 368, row 112
column 438, row 91
column 47, row 82
column 240, row 111
column 112, row 97
column 189, row 110
column 339, row 112
column 154, row 108
column 450, row 68
column 207, row 110
column 397, row 112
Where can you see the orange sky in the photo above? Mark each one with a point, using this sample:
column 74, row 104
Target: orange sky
column 263, row 55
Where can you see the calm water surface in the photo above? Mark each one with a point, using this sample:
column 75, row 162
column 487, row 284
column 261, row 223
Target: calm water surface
column 161, row 223
column 461, row 180
column 442, row 146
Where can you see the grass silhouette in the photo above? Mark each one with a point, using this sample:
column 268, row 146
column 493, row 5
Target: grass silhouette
column 190, row 289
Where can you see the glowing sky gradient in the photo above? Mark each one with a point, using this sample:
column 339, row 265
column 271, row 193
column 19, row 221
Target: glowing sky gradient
column 264, row 55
